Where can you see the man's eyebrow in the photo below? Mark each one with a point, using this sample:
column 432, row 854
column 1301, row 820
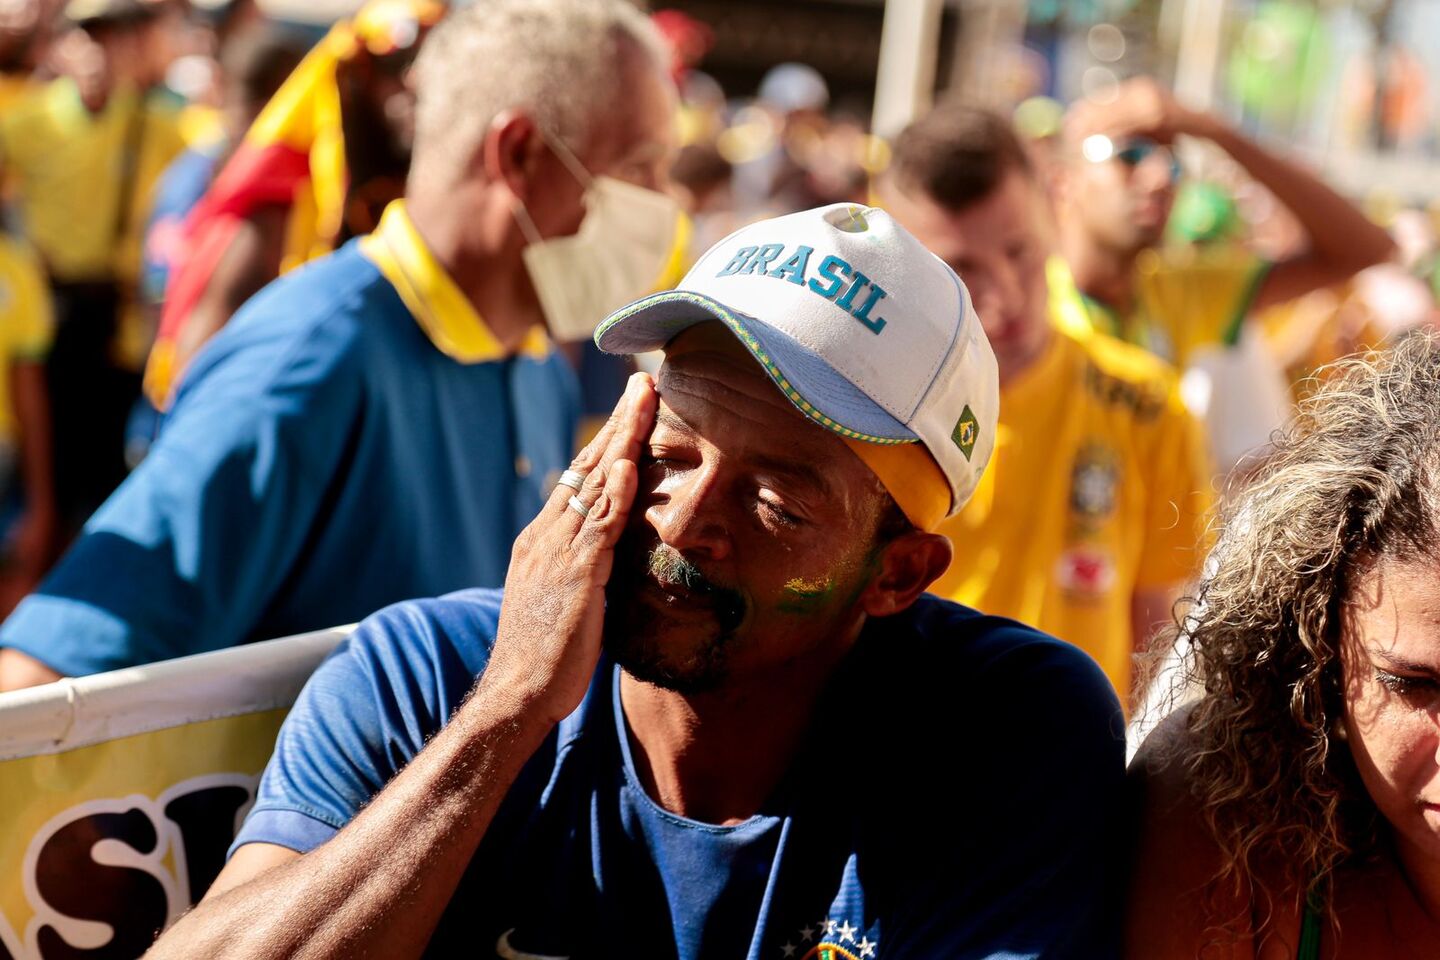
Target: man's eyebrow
column 800, row 470
column 668, row 420
column 1398, row 662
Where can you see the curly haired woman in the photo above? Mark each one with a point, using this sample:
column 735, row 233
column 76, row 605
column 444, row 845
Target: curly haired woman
column 1294, row 810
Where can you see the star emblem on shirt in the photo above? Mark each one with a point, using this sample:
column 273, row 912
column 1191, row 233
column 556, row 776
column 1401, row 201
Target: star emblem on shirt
column 832, row 933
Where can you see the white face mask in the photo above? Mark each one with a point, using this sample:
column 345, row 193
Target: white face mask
column 617, row 255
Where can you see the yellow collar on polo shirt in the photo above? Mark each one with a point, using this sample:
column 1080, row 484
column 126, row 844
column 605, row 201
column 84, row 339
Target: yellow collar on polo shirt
column 446, row 315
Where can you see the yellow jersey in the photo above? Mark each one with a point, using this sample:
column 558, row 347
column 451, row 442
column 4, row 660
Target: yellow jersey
column 27, row 322
column 14, row 87
column 66, row 166
column 1312, row 331
column 1184, row 299
column 1098, row 486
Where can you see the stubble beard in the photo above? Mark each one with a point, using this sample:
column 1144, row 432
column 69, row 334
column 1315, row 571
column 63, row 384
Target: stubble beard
column 636, row 633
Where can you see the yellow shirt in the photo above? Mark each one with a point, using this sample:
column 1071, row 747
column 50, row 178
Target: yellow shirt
column 1312, row 331
column 1184, row 299
column 1097, row 488
column 65, row 163
column 14, row 87
column 26, row 321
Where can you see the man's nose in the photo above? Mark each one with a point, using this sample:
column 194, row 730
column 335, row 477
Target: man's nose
column 987, row 306
column 691, row 517
column 1155, row 173
column 1008, row 288
column 997, row 294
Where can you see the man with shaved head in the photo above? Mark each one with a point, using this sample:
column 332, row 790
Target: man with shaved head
column 712, row 713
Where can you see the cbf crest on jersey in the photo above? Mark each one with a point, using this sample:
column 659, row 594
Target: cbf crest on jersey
column 829, row 939
column 1094, row 482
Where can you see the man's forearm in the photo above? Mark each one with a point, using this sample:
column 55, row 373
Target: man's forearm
column 1339, row 232
column 19, row 670
column 379, row 886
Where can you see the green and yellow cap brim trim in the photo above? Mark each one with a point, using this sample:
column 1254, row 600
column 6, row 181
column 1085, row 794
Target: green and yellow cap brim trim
column 665, row 329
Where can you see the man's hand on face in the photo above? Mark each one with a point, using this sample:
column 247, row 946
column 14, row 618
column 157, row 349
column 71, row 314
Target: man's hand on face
column 1142, row 108
column 548, row 639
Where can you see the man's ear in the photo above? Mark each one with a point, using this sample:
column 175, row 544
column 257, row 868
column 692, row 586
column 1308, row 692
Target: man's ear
column 510, row 152
column 907, row 565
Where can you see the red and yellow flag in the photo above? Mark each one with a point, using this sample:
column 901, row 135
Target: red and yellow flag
column 294, row 157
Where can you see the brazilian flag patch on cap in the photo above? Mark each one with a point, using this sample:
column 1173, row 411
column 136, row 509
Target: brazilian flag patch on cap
column 967, row 430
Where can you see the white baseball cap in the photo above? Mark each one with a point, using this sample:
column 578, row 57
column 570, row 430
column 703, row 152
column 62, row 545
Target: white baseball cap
column 865, row 330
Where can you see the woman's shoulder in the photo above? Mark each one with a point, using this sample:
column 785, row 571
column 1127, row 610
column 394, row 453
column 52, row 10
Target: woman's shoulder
column 1179, row 906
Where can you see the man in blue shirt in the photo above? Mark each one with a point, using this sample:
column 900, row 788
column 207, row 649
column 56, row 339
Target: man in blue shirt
column 382, row 423
column 712, row 715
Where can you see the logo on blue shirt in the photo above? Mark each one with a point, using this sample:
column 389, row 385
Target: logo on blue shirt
column 833, row 940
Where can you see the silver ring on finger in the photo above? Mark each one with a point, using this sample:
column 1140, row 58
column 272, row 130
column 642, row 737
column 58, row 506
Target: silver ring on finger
column 579, row 507
column 572, row 479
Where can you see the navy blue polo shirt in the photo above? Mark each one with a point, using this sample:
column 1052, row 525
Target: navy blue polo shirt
column 324, row 458
column 957, row 797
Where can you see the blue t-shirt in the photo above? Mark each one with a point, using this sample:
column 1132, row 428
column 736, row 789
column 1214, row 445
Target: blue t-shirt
column 323, row 459
column 957, row 797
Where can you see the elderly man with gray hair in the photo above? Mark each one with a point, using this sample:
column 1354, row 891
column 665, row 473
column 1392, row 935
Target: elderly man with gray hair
column 382, row 423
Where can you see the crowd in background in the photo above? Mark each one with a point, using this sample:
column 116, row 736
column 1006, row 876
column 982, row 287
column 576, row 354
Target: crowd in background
column 162, row 161
column 417, row 276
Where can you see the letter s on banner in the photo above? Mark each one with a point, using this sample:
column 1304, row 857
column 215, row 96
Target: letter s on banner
column 98, row 876
column 123, row 889
column 120, row 793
